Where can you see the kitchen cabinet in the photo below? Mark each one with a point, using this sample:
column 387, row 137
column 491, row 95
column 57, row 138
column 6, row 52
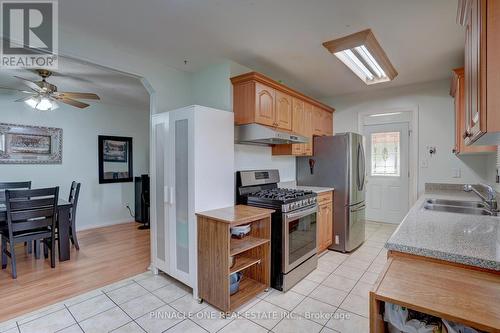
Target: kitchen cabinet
column 259, row 99
column 325, row 221
column 255, row 102
column 265, row 105
column 283, row 111
column 192, row 160
column 457, row 91
column 322, row 122
column 301, row 124
column 327, row 123
column 318, row 126
column 481, row 19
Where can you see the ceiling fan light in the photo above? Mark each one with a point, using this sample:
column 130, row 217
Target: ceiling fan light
column 32, row 102
column 42, row 103
column 45, row 104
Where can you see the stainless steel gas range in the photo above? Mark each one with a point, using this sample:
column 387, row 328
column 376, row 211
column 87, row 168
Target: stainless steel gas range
column 293, row 230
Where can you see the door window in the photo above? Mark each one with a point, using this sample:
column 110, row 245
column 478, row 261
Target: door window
column 385, row 154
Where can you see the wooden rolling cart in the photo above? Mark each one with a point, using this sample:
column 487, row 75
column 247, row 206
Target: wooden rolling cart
column 252, row 254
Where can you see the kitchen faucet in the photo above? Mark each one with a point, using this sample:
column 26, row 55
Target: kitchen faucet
column 490, row 200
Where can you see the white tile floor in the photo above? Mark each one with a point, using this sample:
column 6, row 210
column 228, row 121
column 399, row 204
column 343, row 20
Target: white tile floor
column 333, row 298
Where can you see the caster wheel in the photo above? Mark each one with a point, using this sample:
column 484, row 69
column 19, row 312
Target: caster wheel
column 199, row 300
column 266, row 290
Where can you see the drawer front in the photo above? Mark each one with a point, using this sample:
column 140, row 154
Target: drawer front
column 325, row 197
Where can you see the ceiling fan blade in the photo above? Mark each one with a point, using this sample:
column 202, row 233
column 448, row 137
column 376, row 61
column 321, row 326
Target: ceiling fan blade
column 73, row 102
column 23, row 99
column 32, row 84
column 78, row 95
column 23, row 91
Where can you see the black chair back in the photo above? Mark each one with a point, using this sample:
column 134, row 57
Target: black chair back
column 74, row 193
column 31, row 210
column 11, row 186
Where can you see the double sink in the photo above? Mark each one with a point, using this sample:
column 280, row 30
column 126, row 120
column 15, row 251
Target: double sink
column 458, row 206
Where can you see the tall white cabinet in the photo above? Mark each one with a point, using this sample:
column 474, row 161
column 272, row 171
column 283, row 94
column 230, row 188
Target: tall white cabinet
column 192, row 170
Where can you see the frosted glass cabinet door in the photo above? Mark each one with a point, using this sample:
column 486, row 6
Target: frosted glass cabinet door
column 180, row 220
column 160, row 200
column 181, row 129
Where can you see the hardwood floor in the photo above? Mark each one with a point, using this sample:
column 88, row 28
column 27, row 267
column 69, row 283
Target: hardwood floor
column 106, row 255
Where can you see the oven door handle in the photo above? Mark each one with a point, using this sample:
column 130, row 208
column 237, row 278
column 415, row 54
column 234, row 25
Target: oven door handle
column 358, row 209
column 299, row 214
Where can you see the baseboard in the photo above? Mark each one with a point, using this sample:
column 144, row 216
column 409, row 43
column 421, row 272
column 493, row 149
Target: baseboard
column 103, row 224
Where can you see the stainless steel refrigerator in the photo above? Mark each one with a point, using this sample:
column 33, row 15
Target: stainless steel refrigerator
column 339, row 162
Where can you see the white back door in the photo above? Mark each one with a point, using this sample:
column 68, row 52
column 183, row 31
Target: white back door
column 387, row 155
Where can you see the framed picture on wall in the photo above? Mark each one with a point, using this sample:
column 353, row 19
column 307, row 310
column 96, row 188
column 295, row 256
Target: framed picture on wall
column 25, row 144
column 115, row 159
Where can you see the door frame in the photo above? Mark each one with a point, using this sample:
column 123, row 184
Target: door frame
column 410, row 115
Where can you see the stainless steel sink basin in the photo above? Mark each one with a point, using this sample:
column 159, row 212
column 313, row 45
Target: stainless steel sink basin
column 456, row 203
column 457, row 209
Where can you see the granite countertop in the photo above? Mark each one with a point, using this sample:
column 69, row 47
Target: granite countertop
column 472, row 240
column 315, row 189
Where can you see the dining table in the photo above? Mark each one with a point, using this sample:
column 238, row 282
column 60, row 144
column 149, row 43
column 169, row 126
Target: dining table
column 63, row 213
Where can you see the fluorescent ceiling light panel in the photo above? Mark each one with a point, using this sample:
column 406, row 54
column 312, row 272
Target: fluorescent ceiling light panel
column 364, row 56
column 384, row 114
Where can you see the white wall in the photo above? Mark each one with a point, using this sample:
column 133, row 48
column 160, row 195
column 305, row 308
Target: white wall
column 99, row 204
column 172, row 86
column 212, row 87
column 248, row 157
column 492, row 165
column 436, row 127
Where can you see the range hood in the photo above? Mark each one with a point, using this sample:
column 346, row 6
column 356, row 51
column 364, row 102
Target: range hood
column 263, row 135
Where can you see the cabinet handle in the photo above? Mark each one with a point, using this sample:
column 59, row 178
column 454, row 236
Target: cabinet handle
column 467, row 134
column 166, row 194
column 172, row 195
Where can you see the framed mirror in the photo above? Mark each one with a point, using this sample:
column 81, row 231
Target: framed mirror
column 115, row 159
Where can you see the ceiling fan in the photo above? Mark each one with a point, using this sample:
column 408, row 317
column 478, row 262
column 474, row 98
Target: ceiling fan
column 44, row 96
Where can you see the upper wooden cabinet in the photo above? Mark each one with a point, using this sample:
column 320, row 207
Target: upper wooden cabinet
column 283, row 113
column 481, row 19
column 458, row 92
column 265, row 105
column 259, row 99
column 327, row 123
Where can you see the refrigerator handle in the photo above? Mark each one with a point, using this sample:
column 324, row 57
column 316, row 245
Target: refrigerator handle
column 361, row 166
column 363, row 161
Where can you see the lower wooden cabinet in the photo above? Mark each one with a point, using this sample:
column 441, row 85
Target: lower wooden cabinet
column 325, row 221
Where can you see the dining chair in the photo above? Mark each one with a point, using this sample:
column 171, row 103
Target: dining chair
column 26, row 185
column 74, row 193
column 31, row 216
column 11, row 186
